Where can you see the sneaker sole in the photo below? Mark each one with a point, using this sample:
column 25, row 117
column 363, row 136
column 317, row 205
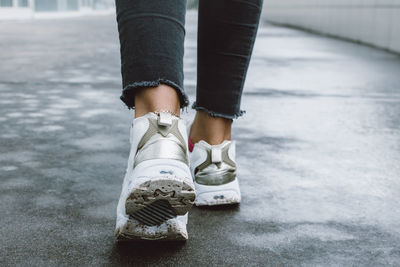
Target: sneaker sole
column 218, row 195
column 218, row 198
column 127, row 237
column 129, row 232
column 159, row 199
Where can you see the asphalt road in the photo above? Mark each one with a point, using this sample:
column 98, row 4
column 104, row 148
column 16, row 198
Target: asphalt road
column 318, row 153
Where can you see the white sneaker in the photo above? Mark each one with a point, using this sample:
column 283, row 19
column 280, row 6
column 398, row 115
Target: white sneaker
column 158, row 190
column 213, row 169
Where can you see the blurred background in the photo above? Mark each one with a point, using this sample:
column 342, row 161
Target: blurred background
column 26, row 9
column 374, row 22
column 318, row 149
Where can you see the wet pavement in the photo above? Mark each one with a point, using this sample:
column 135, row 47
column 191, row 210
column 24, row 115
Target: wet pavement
column 318, row 153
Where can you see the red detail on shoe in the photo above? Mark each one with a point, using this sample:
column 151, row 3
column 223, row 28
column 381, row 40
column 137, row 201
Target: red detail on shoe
column 191, row 145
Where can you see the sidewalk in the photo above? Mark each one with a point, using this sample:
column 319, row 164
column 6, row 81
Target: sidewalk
column 318, row 153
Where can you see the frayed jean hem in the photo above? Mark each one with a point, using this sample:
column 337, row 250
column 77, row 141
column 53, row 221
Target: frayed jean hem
column 217, row 114
column 128, row 93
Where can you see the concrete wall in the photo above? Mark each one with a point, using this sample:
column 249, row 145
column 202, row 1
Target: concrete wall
column 375, row 22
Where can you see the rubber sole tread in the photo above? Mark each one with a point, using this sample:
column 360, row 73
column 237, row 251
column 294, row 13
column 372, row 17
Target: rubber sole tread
column 155, row 213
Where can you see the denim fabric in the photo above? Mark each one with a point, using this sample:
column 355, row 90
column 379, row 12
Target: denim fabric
column 152, row 37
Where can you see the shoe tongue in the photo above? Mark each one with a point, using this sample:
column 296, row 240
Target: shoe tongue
column 216, row 154
column 164, row 119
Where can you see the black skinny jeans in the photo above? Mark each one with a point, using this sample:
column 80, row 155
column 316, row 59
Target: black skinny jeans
column 152, row 46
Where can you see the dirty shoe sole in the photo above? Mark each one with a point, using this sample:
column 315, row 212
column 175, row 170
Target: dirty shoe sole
column 171, row 230
column 212, row 195
column 159, row 199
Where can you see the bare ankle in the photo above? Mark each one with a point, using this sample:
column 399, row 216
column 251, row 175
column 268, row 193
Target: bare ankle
column 213, row 130
column 160, row 98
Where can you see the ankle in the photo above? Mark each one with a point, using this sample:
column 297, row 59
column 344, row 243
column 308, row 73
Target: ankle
column 159, row 98
column 213, row 130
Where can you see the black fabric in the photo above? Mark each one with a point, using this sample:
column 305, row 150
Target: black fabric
column 152, row 47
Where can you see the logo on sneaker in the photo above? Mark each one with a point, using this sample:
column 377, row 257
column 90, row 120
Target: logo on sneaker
column 219, row 197
column 167, row 172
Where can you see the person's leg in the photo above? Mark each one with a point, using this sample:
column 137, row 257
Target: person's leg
column 152, row 36
column 226, row 34
column 160, row 98
column 158, row 188
column 212, row 129
column 227, row 30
